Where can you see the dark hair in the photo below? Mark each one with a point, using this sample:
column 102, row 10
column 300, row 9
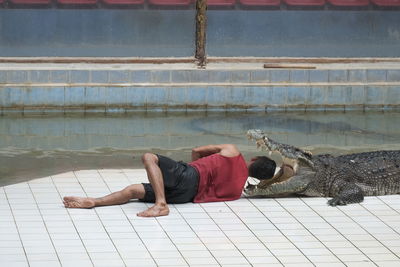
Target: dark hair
column 262, row 168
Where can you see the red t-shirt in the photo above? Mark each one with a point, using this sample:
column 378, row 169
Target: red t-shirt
column 221, row 178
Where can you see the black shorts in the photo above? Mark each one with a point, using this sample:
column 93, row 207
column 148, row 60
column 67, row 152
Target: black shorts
column 180, row 182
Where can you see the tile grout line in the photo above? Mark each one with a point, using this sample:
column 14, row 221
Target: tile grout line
column 309, row 230
column 72, row 221
column 44, row 222
column 396, row 231
column 376, row 239
column 282, row 232
column 171, row 240
column 197, row 236
column 339, row 233
column 97, row 215
column 126, row 216
column 384, row 202
column 255, row 234
column 141, row 239
column 225, row 233
column 16, row 226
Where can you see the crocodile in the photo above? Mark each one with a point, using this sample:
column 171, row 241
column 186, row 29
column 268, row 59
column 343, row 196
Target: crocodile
column 346, row 178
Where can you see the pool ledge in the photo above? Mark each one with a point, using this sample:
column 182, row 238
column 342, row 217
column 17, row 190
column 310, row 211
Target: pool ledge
column 124, row 87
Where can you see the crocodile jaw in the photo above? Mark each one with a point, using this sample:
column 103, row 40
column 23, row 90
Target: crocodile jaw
column 264, row 143
column 286, row 151
column 292, row 185
column 259, row 137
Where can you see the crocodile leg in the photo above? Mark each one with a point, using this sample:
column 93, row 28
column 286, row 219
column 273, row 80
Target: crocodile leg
column 348, row 193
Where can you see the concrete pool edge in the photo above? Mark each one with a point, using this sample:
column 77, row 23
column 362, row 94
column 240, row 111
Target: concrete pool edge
column 223, row 86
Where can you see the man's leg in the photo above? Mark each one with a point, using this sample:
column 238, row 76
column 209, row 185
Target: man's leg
column 160, row 207
column 135, row 191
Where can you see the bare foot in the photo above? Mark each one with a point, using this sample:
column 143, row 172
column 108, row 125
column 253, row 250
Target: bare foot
column 79, row 202
column 155, row 211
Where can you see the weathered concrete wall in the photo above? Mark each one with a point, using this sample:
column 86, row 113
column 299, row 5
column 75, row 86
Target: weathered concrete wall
column 122, row 90
column 96, row 32
column 170, row 33
column 299, row 33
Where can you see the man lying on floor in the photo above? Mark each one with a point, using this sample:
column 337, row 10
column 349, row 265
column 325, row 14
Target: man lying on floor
column 216, row 173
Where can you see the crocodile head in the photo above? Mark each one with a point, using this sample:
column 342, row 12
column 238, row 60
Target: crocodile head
column 291, row 155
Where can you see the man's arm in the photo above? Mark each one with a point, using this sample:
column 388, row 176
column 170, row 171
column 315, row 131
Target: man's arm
column 227, row 150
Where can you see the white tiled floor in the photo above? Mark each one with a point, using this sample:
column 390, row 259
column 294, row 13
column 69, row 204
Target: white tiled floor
column 36, row 230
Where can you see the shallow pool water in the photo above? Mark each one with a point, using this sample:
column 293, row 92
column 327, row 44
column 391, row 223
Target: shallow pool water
column 35, row 146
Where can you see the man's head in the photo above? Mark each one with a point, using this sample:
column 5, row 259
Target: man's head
column 262, row 168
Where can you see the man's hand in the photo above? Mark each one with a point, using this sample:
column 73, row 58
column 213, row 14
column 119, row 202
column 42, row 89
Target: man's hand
column 249, row 190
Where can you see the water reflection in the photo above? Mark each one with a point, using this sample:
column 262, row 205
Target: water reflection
column 35, row 146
